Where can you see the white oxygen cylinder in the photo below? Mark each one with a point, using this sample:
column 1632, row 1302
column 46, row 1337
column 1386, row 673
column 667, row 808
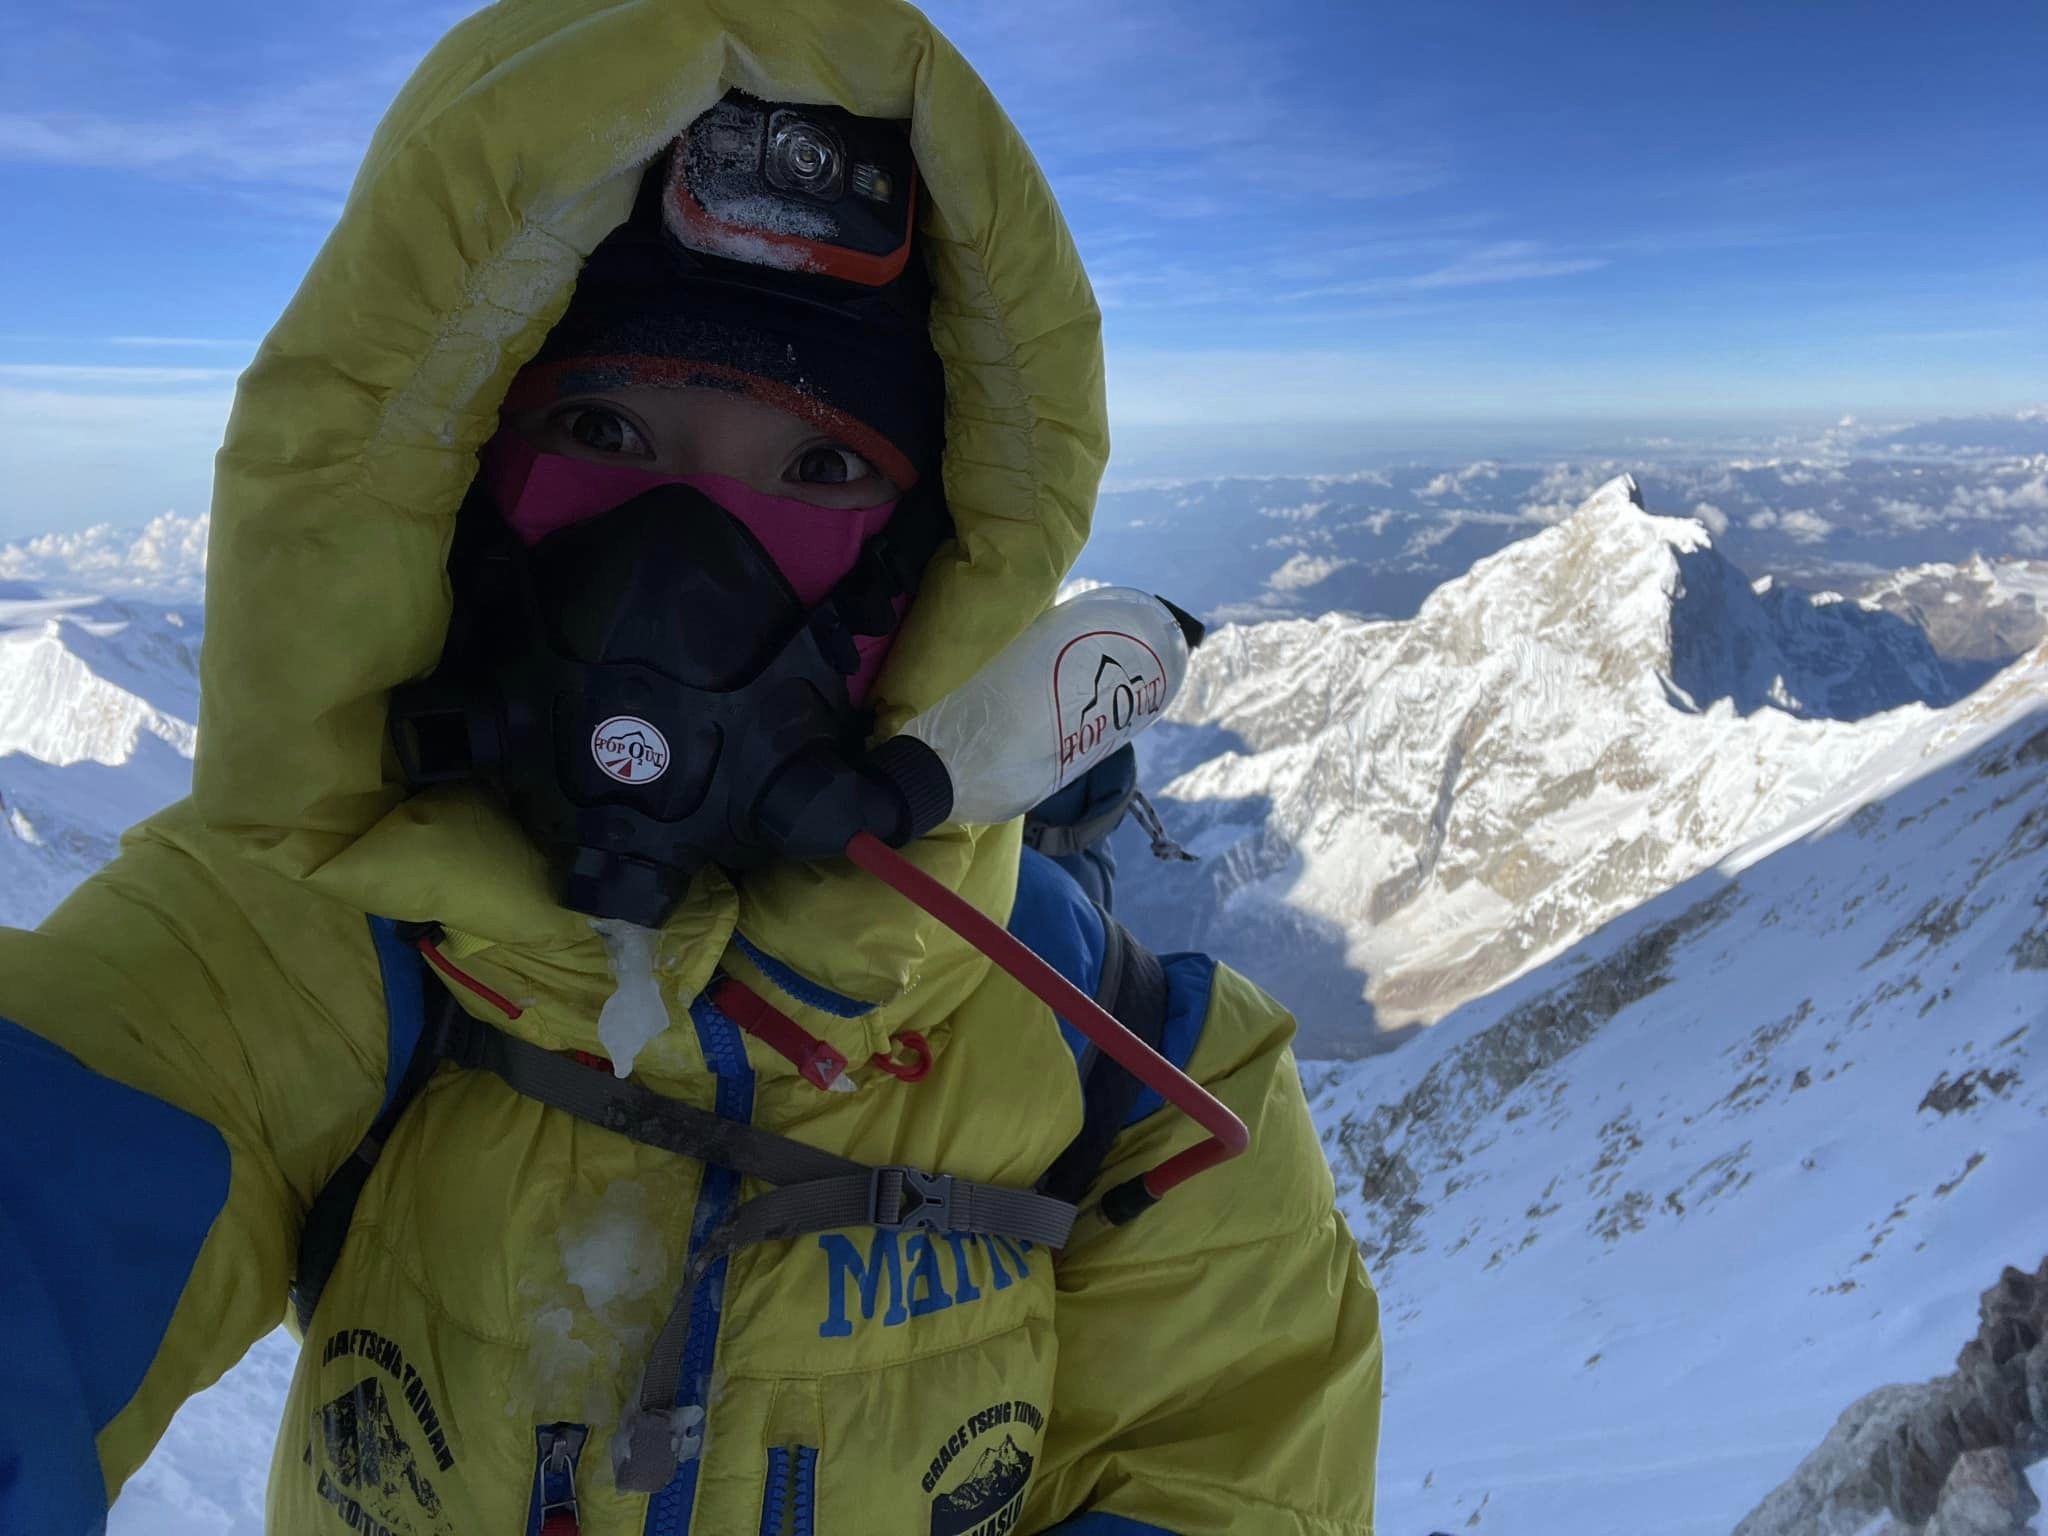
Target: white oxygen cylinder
column 1086, row 677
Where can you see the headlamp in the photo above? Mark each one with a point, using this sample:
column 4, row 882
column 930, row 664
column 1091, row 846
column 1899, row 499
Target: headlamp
column 794, row 188
column 802, row 156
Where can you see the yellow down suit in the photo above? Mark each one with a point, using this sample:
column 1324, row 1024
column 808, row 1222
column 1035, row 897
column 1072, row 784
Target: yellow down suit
column 192, row 1044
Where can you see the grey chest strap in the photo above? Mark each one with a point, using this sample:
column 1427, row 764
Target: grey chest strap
column 816, row 1191
column 813, row 1190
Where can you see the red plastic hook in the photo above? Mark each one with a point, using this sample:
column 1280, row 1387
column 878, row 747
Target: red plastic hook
column 913, row 1070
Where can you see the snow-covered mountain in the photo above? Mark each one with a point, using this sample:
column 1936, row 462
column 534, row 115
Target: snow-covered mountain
column 1398, row 816
column 98, row 703
column 1982, row 612
column 1646, row 1220
column 1612, row 1205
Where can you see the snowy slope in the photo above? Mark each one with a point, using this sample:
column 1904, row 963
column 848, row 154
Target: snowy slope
column 98, row 703
column 1646, row 1220
column 110, row 729
column 1400, row 816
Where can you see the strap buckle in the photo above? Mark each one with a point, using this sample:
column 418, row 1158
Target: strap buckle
column 457, row 1037
column 902, row 1197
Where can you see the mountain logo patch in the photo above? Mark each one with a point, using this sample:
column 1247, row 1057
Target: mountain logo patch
column 977, row 1478
column 375, row 1472
column 630, row 750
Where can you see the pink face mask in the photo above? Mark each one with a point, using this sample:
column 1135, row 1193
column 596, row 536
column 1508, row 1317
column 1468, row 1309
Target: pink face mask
column 814, row 547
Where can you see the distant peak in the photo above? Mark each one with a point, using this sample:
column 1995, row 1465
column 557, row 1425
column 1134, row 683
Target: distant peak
column 1617, row 508
column 1618, row 496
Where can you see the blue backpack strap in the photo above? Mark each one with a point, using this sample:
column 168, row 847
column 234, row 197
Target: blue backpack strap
column 409, row 1061
column 1097, row 954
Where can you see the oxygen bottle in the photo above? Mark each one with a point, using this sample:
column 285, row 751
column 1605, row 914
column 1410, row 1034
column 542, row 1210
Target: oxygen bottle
column 1085, row 678
column 1088, row 675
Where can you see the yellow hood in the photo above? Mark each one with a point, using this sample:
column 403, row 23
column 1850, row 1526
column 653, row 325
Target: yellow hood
column 515, row 147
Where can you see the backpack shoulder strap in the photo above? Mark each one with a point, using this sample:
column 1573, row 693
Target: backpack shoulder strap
column 1079, row 938
column 1133, row 990
column 410, row 1059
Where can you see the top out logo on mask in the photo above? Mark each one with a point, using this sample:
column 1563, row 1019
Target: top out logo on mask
column 630, row 750
column 1108, row 685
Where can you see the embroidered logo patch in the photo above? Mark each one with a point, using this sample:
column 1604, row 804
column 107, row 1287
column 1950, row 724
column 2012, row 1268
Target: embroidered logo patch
column 977, row 1478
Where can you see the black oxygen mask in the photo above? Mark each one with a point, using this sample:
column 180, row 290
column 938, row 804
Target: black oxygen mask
column 648, row 695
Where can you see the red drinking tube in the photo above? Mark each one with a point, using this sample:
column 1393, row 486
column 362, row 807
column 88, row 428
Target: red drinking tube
column 1227, row 1134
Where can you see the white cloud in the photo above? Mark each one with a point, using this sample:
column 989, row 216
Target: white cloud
column 1802, row 525
column 1906, row 515
column 1180, row 120
column 292, row 113
column 1423, row 540
column 1715, row 519
column 2031, row 538
column 1308, row 511
column 1807, row 526
column 1510, row 262
column 265, row 141
column 1453, row 481
column 1461, row 263
column 1304, row 570
column 2027, row 492
column 1802, row 472
column 1563, row 487
column 91, row 373
column 230, row 343
column 167, row 555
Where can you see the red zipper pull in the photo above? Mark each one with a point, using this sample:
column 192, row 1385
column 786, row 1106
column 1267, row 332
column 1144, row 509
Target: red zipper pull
column 816, row 1062
column 554, row 1480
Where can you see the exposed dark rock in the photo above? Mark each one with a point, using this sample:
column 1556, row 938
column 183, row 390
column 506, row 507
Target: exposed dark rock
column 1985, row 1495
column 1836, row 1491
column 1948, row 1095
column 1943, row 1458
column 2031, row 952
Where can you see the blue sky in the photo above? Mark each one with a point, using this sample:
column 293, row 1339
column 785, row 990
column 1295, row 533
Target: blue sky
column 1317, row 216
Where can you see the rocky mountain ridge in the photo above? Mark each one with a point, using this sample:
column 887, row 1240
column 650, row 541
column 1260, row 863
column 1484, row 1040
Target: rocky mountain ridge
column 1398, row 816
column 1645, row 1219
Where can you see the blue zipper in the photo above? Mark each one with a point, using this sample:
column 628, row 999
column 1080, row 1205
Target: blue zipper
column 789, row 1496
column 558, row 1448
column 775, row 1493
column 725, row 1053
column 806, row 1490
